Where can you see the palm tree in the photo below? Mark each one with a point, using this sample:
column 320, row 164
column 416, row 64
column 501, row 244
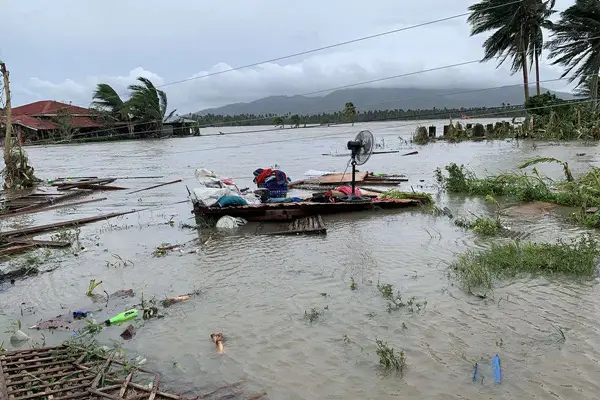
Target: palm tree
column 517, row 31
column 575, row 44
column 107, row 100
column 540, row 14
column 149, row 104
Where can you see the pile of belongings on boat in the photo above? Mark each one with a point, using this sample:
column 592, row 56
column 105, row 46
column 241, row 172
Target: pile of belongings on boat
column 272, row 188
column 223, row 192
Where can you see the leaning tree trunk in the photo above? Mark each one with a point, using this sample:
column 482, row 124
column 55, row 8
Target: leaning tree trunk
column 17, row 173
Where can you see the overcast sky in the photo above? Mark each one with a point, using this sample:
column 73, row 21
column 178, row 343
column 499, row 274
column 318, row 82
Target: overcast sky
column 61, row 51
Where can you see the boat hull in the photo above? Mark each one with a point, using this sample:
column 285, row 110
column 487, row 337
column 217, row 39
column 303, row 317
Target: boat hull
column 277, row 212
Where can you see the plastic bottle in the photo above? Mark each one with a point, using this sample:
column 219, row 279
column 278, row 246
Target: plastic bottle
column 124, row 316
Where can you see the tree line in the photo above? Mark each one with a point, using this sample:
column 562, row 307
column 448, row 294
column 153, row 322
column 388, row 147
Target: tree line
column 350, row 115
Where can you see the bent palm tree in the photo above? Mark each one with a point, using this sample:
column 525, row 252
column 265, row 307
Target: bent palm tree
column 517, row 31
column 575, row 44
column 149, row 104
column 106, row 99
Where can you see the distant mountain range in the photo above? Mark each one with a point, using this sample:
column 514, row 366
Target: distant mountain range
column 366, row 99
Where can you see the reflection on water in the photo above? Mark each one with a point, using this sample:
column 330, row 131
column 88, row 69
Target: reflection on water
column 255, row 289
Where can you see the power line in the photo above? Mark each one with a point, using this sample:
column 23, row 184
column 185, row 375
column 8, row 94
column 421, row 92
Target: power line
column 331, row 46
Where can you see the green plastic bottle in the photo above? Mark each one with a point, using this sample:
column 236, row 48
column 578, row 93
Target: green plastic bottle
column 124, row 316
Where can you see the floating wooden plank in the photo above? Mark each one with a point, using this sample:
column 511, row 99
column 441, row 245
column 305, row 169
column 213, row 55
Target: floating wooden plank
column 156, row 186
column 310, row 225
column 58, row 225
column 72, row 185
column 38, row 243
column 33, row 210
column 340, row 178
column 91, row 186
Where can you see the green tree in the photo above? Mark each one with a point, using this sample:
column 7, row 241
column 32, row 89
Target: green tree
column 149, row 104
column 295, row 120
column 349, row 112
column 575, row 44
column 517, row 31
column 107, row 100
column 278, row 121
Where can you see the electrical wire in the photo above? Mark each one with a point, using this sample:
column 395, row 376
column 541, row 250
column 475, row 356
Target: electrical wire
column 360, row 39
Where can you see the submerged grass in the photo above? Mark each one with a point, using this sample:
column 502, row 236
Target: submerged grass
column 583, row 192
column 476, row 269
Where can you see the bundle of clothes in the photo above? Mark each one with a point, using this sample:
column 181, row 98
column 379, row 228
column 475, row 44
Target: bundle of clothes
column 214, row 191
column 272, row 179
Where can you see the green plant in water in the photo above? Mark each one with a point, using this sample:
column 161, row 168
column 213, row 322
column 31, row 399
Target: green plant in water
column 421, row 136
column 313, row 315
column 353, row 285
column 93, row 285
column 15, row 326
column 476, row 269
column 394, row 300
column 389, row 359
column 483, row 225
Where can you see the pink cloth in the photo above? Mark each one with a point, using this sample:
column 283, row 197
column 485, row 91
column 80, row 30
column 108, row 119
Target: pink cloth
column 347, row 190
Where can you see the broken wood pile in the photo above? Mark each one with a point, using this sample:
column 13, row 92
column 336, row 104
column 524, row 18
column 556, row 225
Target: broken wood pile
column 61, row 373
column 86, row 183
column 38, row 201
column 310, row 225
column 331, row 181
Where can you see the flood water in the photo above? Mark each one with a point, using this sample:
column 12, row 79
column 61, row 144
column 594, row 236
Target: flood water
column 255, row 289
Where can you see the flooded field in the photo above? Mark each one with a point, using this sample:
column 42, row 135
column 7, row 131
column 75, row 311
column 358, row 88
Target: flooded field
column 255, row 289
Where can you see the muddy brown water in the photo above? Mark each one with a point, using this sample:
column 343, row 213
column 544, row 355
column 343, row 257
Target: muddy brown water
column 255, row 289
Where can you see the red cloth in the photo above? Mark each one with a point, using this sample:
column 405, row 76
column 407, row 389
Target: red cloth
column 347, row 190
column 263, row 175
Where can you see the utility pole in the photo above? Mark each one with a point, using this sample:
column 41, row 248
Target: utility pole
column 8, row 113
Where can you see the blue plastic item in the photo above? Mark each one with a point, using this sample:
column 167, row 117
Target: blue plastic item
column 80, row 314
column 496, row 368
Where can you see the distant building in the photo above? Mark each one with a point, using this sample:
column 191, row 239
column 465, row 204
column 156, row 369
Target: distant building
column 49, row 120
column 180, row 126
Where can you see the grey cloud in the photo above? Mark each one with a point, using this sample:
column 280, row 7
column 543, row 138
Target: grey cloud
column 65, row 50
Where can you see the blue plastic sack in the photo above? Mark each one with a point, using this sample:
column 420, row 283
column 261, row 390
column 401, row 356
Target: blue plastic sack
column 231, row 201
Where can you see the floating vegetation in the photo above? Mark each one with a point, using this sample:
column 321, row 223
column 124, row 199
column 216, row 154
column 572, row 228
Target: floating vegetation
column 93, row 285
column 583, row 192
column 483, row 225
column 313, row 315
column 476, row 269
column 353, row 285
column 388, row 358
column 395, row 300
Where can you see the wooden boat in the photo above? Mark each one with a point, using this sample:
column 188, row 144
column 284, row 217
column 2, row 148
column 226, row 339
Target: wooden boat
column 276, row 212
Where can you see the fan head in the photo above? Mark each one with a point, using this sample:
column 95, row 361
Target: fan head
column 361, row 147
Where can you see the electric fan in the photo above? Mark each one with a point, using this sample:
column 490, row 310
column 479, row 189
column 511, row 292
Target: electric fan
column 361, row 149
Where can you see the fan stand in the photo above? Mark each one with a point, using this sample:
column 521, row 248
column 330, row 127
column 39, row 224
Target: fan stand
column 354, row 147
